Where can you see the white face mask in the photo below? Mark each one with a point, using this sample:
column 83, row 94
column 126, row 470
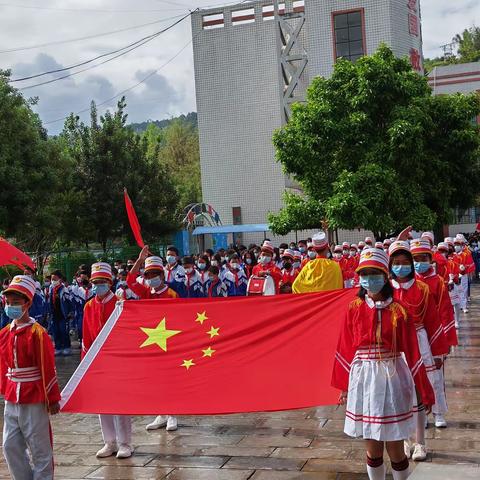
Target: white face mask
column 189, row 270
column 55, row 283
column 338, row 255
column 214, row 263
column 458, row 248
column 235, row 266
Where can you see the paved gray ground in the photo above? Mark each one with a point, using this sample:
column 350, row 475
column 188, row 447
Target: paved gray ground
column 304, row 444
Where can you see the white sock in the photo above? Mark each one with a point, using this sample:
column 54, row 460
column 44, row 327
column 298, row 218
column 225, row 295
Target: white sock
column 420, row 432
column 402, row 475
column 376, row 473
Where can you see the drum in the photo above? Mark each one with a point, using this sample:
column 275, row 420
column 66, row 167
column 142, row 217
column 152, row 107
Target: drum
column 264, row 286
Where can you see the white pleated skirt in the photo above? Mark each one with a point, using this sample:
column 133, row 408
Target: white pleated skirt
column 381, row 398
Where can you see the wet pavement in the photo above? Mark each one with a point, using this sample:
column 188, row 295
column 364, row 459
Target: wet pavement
column 291, row 445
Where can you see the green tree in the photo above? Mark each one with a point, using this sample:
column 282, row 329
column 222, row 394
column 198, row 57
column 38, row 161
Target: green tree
column 372, row 148
column 177, row 148
column 33, row 175
column 107, row 156
column 468, row 43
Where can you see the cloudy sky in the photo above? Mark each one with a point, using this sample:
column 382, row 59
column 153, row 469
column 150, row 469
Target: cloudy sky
column 47, row 24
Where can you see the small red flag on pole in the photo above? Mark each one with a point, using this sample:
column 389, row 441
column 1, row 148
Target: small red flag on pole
column 132, row 218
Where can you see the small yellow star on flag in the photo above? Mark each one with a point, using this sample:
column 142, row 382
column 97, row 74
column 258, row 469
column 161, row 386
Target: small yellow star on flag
column 187, row 364
column 208, row 352
column 201, row 317
column 213, row 332
column 158, row 336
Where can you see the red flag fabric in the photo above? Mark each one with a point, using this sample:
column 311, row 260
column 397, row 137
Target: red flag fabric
column 211, row 356
column 132, row 218
column 478, row 227
column 10, row 255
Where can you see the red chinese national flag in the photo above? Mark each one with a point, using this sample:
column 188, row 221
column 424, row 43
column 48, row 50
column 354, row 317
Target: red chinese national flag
column 211, row 356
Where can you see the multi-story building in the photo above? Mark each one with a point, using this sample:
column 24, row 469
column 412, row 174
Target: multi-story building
column 459, row 78
column 252, row 60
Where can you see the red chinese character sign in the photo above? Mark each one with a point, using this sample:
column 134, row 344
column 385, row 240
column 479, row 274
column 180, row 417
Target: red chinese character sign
column 416, row 59
column 413, row 24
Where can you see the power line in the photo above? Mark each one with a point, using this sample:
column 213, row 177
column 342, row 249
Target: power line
column 91, row 10
column 143, row 80
column 59, row 42
column 135, row 44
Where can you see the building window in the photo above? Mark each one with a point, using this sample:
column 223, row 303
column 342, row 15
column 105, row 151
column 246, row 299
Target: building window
column 349, row 34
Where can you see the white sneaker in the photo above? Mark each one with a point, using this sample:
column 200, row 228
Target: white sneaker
column 440, row 421
column 159, row 422
column 419, row 453
column 465, row 310
column 172, row 424
column 108, row 450
column 408, row 448
column 124, row 451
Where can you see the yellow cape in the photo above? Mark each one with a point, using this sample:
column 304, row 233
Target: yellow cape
column 319, row 275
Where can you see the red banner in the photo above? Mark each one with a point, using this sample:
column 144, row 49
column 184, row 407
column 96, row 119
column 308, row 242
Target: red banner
column 132, row 218
column 212, row 356
column 10, row 255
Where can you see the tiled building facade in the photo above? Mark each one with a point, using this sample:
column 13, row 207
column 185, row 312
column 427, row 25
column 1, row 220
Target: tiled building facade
column 239, row 87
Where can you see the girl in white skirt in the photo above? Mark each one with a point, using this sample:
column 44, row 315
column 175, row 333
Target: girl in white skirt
column 376, row 380
column 415, row 296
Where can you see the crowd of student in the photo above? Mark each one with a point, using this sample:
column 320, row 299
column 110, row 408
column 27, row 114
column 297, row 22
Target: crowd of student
column 395, row 337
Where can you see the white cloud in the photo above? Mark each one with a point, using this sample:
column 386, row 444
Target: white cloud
column 167, row 93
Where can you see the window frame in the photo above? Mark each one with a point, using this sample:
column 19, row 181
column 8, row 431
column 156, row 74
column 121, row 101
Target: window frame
column 333, row 14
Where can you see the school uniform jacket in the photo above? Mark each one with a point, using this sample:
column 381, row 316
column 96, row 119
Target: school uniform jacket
column 272, row 270
column 175, row 279
column 365, row 326
column 443, row 303
column 95, row 316
column 236, row 282
column 419, row 302
column 147, row 293
column 27, row 365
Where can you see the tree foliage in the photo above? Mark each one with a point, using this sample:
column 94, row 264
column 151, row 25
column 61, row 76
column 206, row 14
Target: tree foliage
column 372, row 148
column 467, row 44
column 107, row 157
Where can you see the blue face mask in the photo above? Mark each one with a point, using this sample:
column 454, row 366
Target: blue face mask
column 301, row 249
column 421, row 267
column 14, row 311
column 372, row 283
column 100, row 289
column 202, row 266
column 401, row 271
column 171, row 259
column 249, row 261
column 154, row 282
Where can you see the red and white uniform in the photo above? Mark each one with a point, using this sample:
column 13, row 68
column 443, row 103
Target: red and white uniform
column 368, row 364
column 419, row 302
column 147, row 293
column 95, row 315
column 270, row 269
column 444, row 305
column 28, row 384
column 27, row 365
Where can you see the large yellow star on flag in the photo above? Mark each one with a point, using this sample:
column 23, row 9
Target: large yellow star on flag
column 201, row 317
column 158, row 336
column 213, row 332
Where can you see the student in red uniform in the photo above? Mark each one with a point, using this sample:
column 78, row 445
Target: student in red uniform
column 28, row 385
column 116, row 429
column 422, row 257
column 420, row 305
column 152, row 286
column 377, row 383
column 266, row 265
column 289, row 273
